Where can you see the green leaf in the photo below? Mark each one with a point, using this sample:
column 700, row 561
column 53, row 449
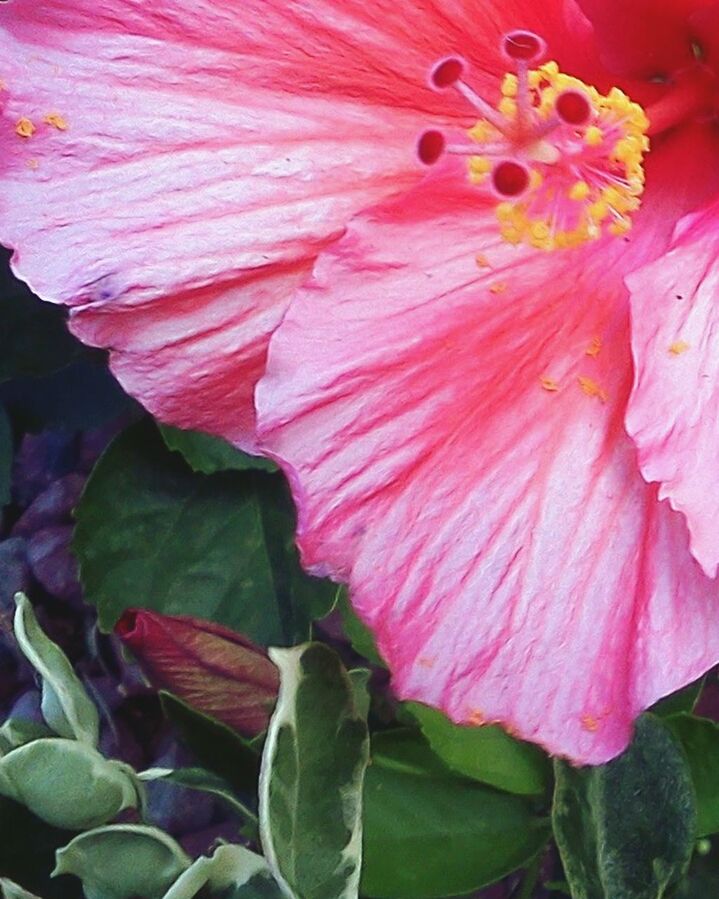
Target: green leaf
column 27, row 852
column 359, row 635
column 232, row 871
column 67, row 784
column 6, row 456
column 10, row 890
column 152, row 533
column 123, row 861
column 486, row 754
column 625, row 830
column 216, row 746
column 313, row 766
column 66, row 707
column 702, row 881
column 18, row 731
column 700, row 740
column 359, row 678
column 429, row 833
column 683, row 700
column 207, row 454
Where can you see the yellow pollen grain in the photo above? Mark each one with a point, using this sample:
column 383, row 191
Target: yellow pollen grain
column 579, row 191
column 508, row 107
column 482, row 261
column 549, row 384
column 590, row 723
column 679, row 347
column 499, row 287
column 594, row 348
column 591, row 388
column 510, row 86
column 56, row 120
column 593, row 136
column 24, row 127
column 480, row 166
column 620, row 227
column 476, row 718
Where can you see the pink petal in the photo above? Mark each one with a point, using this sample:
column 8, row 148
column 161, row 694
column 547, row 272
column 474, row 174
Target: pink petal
column 182, row 185
column 495, row 531
column 674, row 410
column 198, row 155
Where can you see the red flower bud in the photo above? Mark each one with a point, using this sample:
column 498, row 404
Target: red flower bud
column 215, row 670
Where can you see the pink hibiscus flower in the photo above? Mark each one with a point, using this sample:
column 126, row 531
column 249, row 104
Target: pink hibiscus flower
column 448, row 391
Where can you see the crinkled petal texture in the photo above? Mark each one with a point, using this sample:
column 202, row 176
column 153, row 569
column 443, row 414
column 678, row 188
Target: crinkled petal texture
column 170, row 169
column 674, row 411
column 454, row 436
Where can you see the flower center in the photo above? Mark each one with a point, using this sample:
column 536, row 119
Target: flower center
column 564, row 162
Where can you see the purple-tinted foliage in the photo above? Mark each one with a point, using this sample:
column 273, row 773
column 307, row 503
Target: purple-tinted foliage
column 52, row 563
column 14, row 572
column 40, row 460
column 53, row 506
column 176, row 809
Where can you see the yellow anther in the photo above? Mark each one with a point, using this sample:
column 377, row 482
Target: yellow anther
column 620, row 227
column 510, row 86
column 679, row 347
column 505, row 212
column 24, row 127
column 512, row 234
column 549, row 384
column 593, row 136
column 499, row 287
column 480, row 166
column 558, row 211
column 598, row 211
column 579, row 191
column 591, row 388
column 482, row 261
column 56, row 120
column 508, row 107
column 482, row 131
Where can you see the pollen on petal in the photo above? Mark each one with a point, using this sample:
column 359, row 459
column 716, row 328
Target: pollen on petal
column 56, row 121
column 594, row 348
column 499, row 287
column 679, row 347
column 425, row 662
column 476, row 718
column 549, row 384
column 590, row 723
column 25, row 127
column 591, row 388
column 482, row 261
